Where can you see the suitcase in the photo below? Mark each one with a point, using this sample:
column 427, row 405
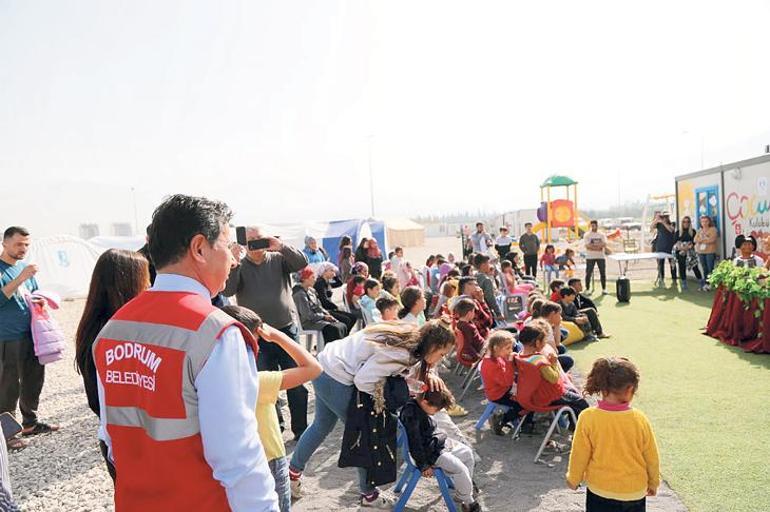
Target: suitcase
column 623, row 289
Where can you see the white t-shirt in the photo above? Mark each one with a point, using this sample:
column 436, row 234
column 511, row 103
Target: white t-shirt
column 591, row 237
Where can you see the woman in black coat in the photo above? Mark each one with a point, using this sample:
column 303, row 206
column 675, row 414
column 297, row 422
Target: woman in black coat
column 328, row 279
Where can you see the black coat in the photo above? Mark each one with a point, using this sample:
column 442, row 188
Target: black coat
column 425, row 443
column 369, row 439
column 583, row 302
column 323, row 289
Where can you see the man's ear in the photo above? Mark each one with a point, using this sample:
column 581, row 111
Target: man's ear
column 197, row 249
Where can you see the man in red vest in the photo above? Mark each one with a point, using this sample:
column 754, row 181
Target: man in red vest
column 178, row 378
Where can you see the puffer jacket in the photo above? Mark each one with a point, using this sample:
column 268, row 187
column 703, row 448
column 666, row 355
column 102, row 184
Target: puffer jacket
column 47, row 336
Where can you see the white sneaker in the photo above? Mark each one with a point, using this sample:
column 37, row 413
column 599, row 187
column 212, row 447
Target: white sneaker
column 296, row 489
column 382, row 501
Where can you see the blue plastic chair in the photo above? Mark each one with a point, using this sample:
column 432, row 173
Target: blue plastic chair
column 412, row 475
column 489, row 411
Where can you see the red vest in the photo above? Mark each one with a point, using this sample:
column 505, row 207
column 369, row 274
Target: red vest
column 533, row 392
column 148, row 357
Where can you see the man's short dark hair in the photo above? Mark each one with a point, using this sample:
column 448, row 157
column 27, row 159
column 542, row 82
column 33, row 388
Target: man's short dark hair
column 463, row 306
column 574, row 280
column 480, row 259
column 479, row 224
column 247, row 317
column 594, row 222
column 463, row 283
column 178, row 220
column 549, row 308
column 15, row 230
column 528, row 225
column 566, row 291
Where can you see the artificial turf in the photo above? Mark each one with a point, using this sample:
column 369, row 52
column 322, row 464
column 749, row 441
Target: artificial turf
column 709, row 403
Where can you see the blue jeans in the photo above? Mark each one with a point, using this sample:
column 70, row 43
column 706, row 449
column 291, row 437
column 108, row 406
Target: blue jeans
column 280, row 469
column 331, row 404
column 707, row 262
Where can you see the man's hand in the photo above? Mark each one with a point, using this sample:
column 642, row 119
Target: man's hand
column 275, row 244
column 572, row 486
column 652, row 492
column 329, row 318
column 428, row 473
column 581, row 320
column 269, row 333
column 28, row 272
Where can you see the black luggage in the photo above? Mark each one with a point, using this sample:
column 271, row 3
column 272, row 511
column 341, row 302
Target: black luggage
column 623, row 289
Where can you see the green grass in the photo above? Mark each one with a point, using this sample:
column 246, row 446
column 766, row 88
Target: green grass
column 709, row 403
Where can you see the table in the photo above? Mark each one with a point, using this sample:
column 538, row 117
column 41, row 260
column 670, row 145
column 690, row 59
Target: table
column 733, row 324
column 623, row 258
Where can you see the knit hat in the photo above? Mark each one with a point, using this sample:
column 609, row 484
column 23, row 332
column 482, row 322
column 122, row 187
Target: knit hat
column 306, row 273
column 324, row 267
column 359, row 268
column 740, row 239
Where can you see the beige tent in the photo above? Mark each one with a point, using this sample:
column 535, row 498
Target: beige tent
column 404, row 233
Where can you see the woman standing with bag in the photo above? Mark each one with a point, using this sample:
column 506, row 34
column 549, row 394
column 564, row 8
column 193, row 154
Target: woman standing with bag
column 684, row 251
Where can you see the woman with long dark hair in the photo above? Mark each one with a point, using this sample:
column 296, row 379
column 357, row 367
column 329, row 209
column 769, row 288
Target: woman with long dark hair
column 118, row 277
column 684, row 251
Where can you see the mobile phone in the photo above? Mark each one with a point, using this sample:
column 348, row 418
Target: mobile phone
column 253, row 245
column 240, row 235
column 10, row 426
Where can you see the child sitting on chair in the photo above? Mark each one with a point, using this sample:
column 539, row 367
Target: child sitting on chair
column 473, row 342
column 555, row 286
column 551, row 387
column 431, row 449
column 566, row 262
column 372, row 289
column 497, row 373
column 511, row 284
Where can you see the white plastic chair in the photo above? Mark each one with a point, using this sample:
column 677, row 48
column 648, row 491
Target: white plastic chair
column 311, row 336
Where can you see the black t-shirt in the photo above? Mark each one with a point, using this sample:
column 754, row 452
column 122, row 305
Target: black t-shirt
column 664, row 241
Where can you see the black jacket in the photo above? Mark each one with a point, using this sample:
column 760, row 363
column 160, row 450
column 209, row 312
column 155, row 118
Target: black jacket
column 323, row 289
column 369, row 440
column 425, row 443
column 583, row 302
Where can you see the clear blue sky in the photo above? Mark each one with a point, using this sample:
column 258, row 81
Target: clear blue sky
column 270, row 105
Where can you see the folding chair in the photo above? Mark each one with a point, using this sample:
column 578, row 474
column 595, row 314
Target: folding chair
column 557, row 415
column 412, row 475
column 473, row 374
column 489, row 410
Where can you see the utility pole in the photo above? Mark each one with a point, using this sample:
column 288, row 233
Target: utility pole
column 371, row 175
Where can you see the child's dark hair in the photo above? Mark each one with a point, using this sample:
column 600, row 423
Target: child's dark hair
column 247, row 317
column 556, row 284
column 465, row 270
column 536, row 308
column 384, row 303
column 549, row 308
column 370, row 284
column 499, row 339
column 550, row 246
column 463, row 306
column 505, row 264
column 530, row 335
column 409, row 298
column 611, row 374
column 453, row 273
column 430, row 261
column 434, row 335
column 389, row 282
column 573, row 281
column 463, row 282
column 356, row 280
column 440, row 399
column 566, row 292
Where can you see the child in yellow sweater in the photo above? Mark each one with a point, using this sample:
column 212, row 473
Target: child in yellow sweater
column 614, row 449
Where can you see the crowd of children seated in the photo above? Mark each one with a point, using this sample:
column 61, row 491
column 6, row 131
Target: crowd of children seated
column 522, row 356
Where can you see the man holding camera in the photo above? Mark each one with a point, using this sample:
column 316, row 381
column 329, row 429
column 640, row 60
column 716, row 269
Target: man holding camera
column 262, row 283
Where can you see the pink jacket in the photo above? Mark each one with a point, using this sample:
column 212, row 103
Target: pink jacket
column 47, row 336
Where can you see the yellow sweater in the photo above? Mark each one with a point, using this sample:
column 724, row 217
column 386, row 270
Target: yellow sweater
column 615, row 453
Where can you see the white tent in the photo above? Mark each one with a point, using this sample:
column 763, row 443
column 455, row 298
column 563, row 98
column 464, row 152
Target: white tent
column 66, row 264
column 130, row 243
